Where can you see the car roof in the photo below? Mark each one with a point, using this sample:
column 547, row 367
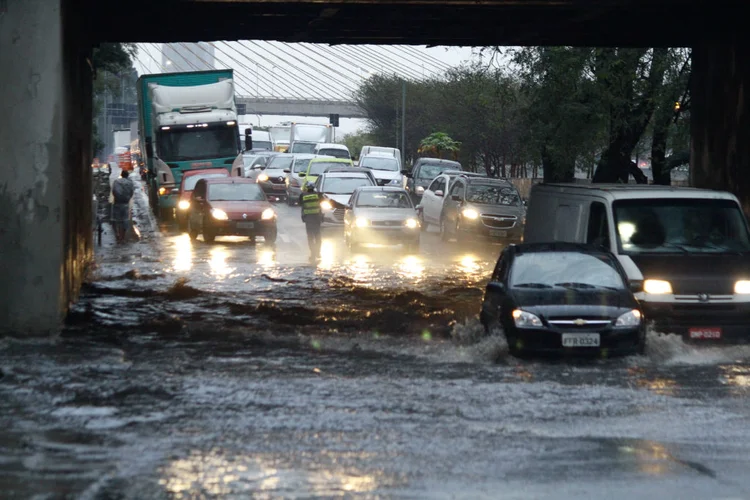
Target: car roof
column 332, row 145
column 636, row 191
column 427, row 159
column 381, row 154
column 487, row 180
column 228, row 180
column 191, row 173
column 381, row 188
column 332, row 159
column 557, row 246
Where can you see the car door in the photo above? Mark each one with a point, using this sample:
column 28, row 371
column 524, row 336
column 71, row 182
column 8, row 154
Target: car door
column 495, row 295
column 452, row 204
column 349, row 212
column 432, row 202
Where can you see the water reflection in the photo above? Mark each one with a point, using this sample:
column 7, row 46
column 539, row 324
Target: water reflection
column 469, row 264
column 651, row 458
column 737, row 376
column 183, row 259
column 361, row 269
column 411, row 267
column 267, row 258
column 663, row 386
column 218, row 261
column 327, row 254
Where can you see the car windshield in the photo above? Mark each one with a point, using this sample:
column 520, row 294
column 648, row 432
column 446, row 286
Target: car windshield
column 336, row 153
column 430, row 171
column 384, row 199
column 249, row 161
column 280, row 162
column 303, row 147
column 191, row 181
column 235, row 192
column 300, row 164
column 680, row 225
column 183, row 144
column 564, row 269
column 318, row 167
column 344, row 185
column 380, row 163
column 488, row 194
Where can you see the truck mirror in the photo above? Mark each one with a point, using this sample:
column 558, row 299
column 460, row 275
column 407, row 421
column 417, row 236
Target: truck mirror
column 248, row 131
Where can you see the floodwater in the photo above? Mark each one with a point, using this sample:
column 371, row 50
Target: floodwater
column 190, row 370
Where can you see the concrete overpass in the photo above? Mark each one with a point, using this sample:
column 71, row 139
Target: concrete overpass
column 46, row 98
column 299, row 107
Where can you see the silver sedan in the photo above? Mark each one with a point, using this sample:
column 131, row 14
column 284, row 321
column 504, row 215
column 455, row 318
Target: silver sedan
column 381, row 215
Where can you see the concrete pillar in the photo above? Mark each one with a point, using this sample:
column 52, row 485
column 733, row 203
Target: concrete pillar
column 40, row 158
column 720, row 118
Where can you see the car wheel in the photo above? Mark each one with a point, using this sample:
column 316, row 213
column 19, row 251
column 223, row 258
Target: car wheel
column 444, row 231
column 191, row 230
column 208, row 235
column 270, row 235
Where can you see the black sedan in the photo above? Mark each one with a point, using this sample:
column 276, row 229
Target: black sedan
column 563, row 297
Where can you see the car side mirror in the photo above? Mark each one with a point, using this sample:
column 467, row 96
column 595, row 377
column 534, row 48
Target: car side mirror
column 257, row 166
column 635, row 286
column 456, row 197
column 439, row 193
column 495, row 286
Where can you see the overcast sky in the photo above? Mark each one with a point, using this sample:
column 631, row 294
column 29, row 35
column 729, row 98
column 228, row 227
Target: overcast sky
column 310, row 71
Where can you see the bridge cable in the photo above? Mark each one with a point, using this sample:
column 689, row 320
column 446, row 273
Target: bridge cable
column 237, row 75
column 437, row 62
column 383, row 62
column 236, row 78
column 315, row 52
column 239, row 64
column 158, row 64
column 412, row 60
column 314, row 79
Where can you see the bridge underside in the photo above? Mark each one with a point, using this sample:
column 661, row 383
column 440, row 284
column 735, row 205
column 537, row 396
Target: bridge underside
column 46, row 82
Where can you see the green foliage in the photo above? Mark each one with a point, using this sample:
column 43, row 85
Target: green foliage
column 439, row 141
column 355, row 142
column 115, row 75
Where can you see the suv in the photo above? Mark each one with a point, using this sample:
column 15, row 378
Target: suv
column 482, row 207
column 424, row 171
column 431, row 206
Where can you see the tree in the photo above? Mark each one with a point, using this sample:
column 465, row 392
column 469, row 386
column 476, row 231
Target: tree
column 355, row 142
column 439, row 143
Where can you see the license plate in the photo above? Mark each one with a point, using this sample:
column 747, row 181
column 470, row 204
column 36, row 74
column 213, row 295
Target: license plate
column 705, row 333
column 581, row 340
column 245, row 225
column 499, row 233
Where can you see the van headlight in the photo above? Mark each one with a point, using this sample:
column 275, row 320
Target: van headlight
column 262, row 178
column 524, row 319
column 742, row 287
column 657, row 287
column 183, row 205
column 219, row 214
column 630, row 318
column 361, row 222
column 268, row 214
column 162, row 191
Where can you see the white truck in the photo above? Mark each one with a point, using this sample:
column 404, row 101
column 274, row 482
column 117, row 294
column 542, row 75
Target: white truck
column 280, row 136
column 304, row 137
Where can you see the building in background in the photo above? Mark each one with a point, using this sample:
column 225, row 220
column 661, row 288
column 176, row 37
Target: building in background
column 178, row 57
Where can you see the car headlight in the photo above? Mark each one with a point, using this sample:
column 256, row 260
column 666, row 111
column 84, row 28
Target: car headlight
column 183, row 205
column 262, row 178
column 742, row 287
column 162, row 191
column 362, row 222
column 657, row 287
column 395, row 182
column 268, row 214
column 326, row 205
column 630, row 318
column 524, row 319
column 219, row 214
column 420, row 190
column 411, row 223
column 470, row 213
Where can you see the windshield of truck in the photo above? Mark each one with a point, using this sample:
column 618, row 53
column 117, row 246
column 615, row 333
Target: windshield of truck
column 303, row 147
column 336, row 153
column 191, row 181
column 344, row 185
column 564, row 269
column 184, row 144
column 488, row 194
column 235, row 192
column 680, row 226
column 429, row 171
column 384, row 199
column 380, row 163
column 318, row 167
column 267, row 145
column 280, row 162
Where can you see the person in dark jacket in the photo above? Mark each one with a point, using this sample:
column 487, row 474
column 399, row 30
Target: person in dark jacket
column 312, row 216
column 122, row 192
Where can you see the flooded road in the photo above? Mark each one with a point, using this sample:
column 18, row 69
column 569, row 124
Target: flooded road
column 190, row 370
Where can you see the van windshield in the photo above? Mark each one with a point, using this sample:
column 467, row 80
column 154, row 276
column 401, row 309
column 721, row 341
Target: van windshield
column 336, row 153
column 680, row 226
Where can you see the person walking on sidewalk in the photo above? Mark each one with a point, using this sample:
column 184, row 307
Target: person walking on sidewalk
column 122, row 192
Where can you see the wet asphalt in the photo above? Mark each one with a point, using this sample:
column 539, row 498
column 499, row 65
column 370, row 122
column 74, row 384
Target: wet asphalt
column 194, row 370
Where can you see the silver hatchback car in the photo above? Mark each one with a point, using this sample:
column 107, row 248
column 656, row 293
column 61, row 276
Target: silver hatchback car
column 381, row 215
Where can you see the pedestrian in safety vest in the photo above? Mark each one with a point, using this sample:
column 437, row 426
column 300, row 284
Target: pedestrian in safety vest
column 312, row 216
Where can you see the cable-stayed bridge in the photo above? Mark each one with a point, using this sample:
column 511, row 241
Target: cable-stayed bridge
column 300, row 79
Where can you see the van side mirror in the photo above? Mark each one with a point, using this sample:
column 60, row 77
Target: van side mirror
column 635, row 286
column 495, row 286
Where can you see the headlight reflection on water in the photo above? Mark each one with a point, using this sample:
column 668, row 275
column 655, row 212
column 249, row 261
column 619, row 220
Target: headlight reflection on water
column 469, row 264
column 183, row 260
column 411, row 267
column 267, row 258
column 218, row 261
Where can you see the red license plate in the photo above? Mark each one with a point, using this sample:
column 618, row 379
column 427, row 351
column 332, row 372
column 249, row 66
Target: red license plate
column 705, row 333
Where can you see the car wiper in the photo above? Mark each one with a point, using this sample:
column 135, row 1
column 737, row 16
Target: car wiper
column 678, row 246
column 532, row 285
column 572, row 284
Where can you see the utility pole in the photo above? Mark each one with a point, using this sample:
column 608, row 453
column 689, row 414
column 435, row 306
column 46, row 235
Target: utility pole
column 403, row 122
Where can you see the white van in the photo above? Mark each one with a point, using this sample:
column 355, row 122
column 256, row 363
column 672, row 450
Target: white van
column 395, row 152
column 686, row 251
column 332, row 149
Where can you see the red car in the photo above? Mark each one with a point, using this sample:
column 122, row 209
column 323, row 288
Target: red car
column 230, row 206
column 189, row 180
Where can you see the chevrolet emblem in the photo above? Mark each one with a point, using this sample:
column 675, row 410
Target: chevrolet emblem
column 580, row 322
column 244, row 216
